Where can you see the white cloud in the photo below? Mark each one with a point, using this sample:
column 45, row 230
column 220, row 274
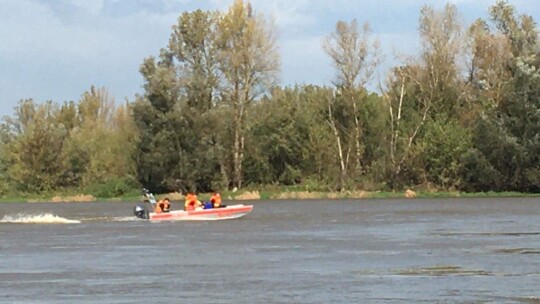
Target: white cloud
column 57, row 49
column 45, row 57
column 92, row 6
column 292, row 16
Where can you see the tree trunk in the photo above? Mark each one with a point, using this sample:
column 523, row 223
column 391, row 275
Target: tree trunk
column 239, row 138
column 342, row 162
column 358, row 133
column 237, row 153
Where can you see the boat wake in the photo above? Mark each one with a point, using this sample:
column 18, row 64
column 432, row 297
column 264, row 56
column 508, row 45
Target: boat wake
column 45, row 218
column 110, row 219
column 125, row 219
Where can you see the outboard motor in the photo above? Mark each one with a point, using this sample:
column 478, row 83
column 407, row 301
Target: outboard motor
column 141, row 212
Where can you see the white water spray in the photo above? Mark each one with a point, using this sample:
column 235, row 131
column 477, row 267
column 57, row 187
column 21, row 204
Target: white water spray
column 45, row 218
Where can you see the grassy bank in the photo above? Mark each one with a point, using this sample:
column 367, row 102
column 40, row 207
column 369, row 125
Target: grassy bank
column 273, row 193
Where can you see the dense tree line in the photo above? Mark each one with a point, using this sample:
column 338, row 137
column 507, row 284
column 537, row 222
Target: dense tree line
column 464, row 114
column 48, row 146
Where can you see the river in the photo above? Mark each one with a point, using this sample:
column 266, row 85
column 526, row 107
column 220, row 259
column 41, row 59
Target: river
column 481, row 250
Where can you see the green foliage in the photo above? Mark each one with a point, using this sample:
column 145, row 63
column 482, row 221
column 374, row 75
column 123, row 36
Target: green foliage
column 506, row 137
column 101, row 143
column 177, row 146
column 46, row 147
column 212, row 118
column 444, row 143
column 34, row 142
column 280, row 130
column 248, row 65
column 193, row 132
column 373, row 116
column 478, row 174
column 113, row 187
column 193, row 45
column 154, row 115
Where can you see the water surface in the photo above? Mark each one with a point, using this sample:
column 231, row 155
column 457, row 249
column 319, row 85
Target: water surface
column 483, row 250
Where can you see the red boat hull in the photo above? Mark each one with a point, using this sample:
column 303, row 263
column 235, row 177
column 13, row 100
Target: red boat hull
column 229, row 212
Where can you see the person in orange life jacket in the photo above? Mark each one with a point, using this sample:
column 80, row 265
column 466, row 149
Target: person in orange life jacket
column 163, row 205
column 192, row 202
column 215, row 199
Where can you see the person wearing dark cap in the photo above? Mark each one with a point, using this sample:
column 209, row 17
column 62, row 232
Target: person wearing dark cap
column 163, row 205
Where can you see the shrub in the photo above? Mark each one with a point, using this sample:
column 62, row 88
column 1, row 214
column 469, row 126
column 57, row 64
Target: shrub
column 113, row 187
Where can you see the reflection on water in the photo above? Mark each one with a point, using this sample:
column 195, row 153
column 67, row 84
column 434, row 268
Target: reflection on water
column 315, row 251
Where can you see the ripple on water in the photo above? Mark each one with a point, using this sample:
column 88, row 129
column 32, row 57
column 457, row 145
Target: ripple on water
column 524, row 299
column 438, row 270
column 442, row 270
column 519, row 250
column 502, row 233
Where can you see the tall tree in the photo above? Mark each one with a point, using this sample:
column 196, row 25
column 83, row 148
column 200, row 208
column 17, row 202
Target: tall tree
column 355, row 57
column 176, row 116
column 194, row 50
column 248, row 63
column 423, row 92
column 442, row 44
column 505, row 78
column 193, row 45
column 156, row 117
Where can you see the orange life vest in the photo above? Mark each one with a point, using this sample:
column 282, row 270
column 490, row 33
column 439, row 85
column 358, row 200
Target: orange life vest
column 216, row 200
column 191, row 202
column 162, row 206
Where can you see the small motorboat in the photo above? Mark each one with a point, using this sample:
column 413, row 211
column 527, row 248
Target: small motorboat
column 210, row 214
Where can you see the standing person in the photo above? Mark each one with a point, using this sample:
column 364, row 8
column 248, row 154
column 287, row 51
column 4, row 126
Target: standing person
column 192, row 202
column 215, row 199
column 163, row 205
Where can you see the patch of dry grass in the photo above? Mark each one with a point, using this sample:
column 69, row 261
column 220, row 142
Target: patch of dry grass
column 299, row 195
column 410, row 194
column 334, row 195
column 360, row 194
column 73, row 198
column 321, row 195
column 250, row 195
column 173, row 196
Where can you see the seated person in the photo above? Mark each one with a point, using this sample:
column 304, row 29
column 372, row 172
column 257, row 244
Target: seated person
column 216, row 200
column 163, row 205
column 192, row 202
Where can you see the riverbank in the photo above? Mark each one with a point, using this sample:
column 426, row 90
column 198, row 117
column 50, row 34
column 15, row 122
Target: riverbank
column 264, row 194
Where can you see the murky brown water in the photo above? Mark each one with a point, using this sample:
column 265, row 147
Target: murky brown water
column 314, row 251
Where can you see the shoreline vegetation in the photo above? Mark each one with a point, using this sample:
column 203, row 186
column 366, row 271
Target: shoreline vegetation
column 462, row 114
column 264, row 194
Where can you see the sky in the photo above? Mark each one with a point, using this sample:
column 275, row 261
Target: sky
column 57, row 49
